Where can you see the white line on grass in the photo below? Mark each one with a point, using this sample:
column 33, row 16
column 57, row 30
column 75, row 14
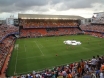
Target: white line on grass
column 25, row 47
column 24, row 72
column 30, row 57
column 41, row 45
column 36, row 70
column 16, row 63
column 39, row 48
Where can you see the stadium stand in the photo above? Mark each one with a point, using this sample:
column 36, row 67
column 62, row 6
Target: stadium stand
column 48, row 25
column 5, row 47
column 48, row 32
column 6, row 42
column 94, row 30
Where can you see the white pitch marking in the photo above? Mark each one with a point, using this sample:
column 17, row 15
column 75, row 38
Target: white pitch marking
column 25, row 47
column 30, row 57
column 39, row 48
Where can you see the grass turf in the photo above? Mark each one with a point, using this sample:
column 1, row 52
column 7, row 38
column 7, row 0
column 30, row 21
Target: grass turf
column 47, row 52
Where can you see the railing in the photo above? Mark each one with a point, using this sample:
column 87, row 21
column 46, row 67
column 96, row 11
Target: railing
column 8, row 35
column 46, row 26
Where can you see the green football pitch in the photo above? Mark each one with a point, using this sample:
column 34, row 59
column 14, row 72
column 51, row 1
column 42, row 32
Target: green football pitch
column 47, row 52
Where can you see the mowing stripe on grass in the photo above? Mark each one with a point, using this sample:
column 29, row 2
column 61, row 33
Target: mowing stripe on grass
column 39, row 49
column 52, row 66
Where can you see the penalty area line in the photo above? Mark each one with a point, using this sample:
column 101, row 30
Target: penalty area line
column 39, row 49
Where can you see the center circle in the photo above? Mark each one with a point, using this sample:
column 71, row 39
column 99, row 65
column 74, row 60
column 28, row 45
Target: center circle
column 72, row 42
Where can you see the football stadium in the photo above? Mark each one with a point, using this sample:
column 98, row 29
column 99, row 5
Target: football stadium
column 51, row 46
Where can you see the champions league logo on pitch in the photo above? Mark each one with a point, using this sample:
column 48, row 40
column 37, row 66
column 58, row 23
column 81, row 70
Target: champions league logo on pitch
column 72, row 42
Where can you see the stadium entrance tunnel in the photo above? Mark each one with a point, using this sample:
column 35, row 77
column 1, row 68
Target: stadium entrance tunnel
column 72, row 42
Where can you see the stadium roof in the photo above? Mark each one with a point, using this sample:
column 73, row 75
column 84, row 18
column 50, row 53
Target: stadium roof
column 40, row 16
column 98, row 12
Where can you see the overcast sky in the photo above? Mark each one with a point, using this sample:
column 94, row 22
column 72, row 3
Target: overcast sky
column 84, row 8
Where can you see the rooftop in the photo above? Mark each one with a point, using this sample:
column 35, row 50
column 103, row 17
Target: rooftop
column 43, row 16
